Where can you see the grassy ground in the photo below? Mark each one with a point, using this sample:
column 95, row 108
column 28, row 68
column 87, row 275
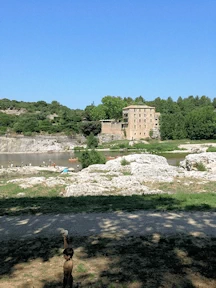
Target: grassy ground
column 186, row 195
column 135, row 262
column 156, row 144
column 156, row 261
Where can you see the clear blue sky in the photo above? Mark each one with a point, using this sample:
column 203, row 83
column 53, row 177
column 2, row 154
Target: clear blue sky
column 78, row 51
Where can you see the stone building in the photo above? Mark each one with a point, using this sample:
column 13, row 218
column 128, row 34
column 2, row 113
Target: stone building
column 138, row 121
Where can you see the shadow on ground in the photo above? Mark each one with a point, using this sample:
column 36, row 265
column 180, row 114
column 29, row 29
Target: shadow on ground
column 153, row 261
column 161, row 202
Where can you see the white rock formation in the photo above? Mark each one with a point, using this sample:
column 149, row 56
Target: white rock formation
column 113, row 178
column 208, row 159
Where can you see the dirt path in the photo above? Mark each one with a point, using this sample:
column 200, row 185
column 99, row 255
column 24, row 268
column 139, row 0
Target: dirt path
column 108, row 224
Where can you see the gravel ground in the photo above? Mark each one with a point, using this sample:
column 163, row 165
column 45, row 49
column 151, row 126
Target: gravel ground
column 109, row 224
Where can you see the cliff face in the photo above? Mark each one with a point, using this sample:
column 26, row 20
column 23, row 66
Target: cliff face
column 21, row 144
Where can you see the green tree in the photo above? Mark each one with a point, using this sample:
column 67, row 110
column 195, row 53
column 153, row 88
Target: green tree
column 92, row 141
column 139, row 100
column 201, row 123
column 88, row 158
column 87, row 127
column 99, row 113
column 172, row 126
column 113, row 107
column 26, row 123
column 87, row 112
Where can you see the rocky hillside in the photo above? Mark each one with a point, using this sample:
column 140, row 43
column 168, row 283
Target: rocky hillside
column 36, row 144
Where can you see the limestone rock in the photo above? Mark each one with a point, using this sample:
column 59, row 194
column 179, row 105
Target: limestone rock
column 208, row 159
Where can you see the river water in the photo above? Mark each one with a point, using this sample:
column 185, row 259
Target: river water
column 62, row 159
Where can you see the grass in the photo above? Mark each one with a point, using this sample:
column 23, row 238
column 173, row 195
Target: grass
column 124, row 162
column 200, row 166
column 40, row 199
column 129, row 262
column 211, row 149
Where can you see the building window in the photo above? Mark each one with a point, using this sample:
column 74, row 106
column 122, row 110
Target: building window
column 134, row 126
column 144, row 120
column 150, row 120
column 134, row 110
column 139, row 120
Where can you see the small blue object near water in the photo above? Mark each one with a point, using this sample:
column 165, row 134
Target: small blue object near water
column 65, row 170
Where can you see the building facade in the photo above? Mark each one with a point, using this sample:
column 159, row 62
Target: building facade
column 138, row 121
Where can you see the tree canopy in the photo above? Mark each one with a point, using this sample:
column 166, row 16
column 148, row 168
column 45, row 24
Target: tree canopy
column 191, row 117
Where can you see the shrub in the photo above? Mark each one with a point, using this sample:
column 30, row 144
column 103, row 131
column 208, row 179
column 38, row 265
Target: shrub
column 92, row 141
column 124, row 162
column 200, row 166
column 88, row 158
column 211, row 149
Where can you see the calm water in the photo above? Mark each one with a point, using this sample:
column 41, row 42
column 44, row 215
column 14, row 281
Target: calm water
column 62, row 159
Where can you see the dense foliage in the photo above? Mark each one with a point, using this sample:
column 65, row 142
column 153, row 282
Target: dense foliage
column 91, row 157
column 192, row 117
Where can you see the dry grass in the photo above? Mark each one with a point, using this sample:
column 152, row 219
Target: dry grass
column 134, row 262
column 184, row 185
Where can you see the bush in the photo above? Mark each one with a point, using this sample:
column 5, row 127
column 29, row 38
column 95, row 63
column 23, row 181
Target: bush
column 88, row 158
column 200, row 166
column 124, row 162
column 211, row 149
column 92, row 141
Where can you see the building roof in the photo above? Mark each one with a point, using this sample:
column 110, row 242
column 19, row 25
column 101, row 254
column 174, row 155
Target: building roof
column 107, row 120
column 137, row 107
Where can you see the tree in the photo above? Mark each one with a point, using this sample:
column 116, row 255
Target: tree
column 88, row 158
column 26, row 123
column 87, row 112
column 92, row 141
column 201, row 123
column 87, row 127
column 139, row 100
column 172, row 126
column 99, row 113
column 113, row 107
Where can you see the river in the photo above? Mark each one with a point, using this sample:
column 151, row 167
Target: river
column 62, row 159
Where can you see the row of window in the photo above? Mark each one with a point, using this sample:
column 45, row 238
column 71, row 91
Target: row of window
column 135, row 109
column 141, row 121
column 140, row 133
column 140, row 115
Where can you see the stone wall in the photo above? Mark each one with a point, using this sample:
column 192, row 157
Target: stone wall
column 104, row 138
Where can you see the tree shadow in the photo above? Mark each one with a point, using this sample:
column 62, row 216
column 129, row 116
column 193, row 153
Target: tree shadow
column 33, row 205
column 143, row 261
column 118, row 257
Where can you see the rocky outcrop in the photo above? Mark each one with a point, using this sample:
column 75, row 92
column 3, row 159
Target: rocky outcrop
column 204, row 161
column 21, row 144
column 123, row 176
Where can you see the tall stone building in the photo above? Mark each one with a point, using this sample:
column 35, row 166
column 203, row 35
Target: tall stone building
column 138, row 121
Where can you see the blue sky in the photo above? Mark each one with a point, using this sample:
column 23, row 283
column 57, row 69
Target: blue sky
column 78, row 51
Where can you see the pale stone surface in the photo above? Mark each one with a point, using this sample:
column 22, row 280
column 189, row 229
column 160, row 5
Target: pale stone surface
column 21, row 144
column 113, row 178
column 208, row 159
